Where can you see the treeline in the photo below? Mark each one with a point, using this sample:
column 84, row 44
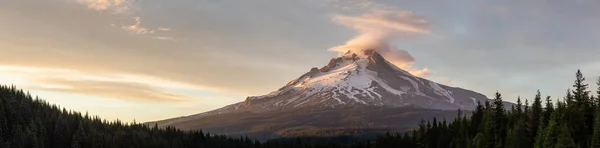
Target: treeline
column 26, row 122
column 572, row 122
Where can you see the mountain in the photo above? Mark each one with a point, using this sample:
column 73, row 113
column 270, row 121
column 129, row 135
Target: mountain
column 356, row 92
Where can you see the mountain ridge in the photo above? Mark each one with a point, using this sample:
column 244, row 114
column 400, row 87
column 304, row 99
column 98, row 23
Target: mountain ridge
column 362, row 81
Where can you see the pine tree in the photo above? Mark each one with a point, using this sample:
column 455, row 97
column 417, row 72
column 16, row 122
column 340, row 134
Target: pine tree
column 61, row 133
column 499, row 121
column 596, row 133
column 564, row 139
column 517, row 137
column 551, row 132
column 4, row 129
column 580, row 92
column 487, row 138
column 549, row 110
column 598, row 92
column 480, row 141
column 579, row 111
column 79, row 137
column 540, row 135
column 536, row 113
column 519, row 106
column 477, row 119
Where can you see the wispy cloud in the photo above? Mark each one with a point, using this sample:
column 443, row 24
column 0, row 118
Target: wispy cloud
column 164, row 38
column 378, row 28
column 350, row 4
column 136, row 28
column 109, row 89
column 118, row 6
column 123, row 7
column 391, row 22
column 117, row 86
column 163, row 29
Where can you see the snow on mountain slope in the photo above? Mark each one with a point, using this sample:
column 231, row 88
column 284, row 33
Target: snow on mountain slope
column 356, row 79
column 357, row 90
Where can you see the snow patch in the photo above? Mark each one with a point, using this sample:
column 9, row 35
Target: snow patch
column 440, row 91
column 413, row 83
column 474, row 100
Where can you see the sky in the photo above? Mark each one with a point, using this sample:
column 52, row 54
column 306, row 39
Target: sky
column 148, row 60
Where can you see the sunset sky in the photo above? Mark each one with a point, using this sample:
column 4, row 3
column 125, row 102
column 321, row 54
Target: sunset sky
column 155, row 59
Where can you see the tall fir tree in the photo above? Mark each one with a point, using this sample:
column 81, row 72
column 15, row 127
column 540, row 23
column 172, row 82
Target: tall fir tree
column 595, row 139
column 550, row 133
column 540, row 136
column 564, row 139
column 536, row 113
column 579, row 111
column 598, row 91
column 595, row 143
column 499, row 121
column 549, row 109
column 517, row 137
column 580, row 92
column 79, row 137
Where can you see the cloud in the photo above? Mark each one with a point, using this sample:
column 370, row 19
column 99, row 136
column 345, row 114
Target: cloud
column 378, row 29
column 136, row 28
column 350, row 5
column 109, row 89
column 385, row 22
column 118, row 6
column 117, row 86
column 163, row 29
column 164, row 38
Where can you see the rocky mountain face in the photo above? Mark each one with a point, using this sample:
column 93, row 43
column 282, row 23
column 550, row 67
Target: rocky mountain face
column 355, row 91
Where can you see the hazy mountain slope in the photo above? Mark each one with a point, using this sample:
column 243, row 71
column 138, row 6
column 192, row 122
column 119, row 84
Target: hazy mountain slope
column 306, row 121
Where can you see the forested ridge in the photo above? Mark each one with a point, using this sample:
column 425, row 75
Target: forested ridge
column 570, row 122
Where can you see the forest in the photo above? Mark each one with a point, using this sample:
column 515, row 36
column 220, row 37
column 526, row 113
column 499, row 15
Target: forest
column 570, row 122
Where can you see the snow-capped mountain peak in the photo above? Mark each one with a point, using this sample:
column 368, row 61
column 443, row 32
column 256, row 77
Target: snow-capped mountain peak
column 357, row 89
column 359, row 78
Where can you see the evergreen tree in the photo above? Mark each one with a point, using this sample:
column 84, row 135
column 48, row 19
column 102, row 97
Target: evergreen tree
column 498, row 121
column 564, row 139
column 79, row 137
column 595, row 143
column 61, row 131
column 580, row 92
column 517, row 137
column 596, row 133
column 4, row 129
column 477, row 119
column 480, row 141
column 598, row 92
column 580, row 112
column 540, row 136
column 551, row 132
column 536, row 112
column 549, row 110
